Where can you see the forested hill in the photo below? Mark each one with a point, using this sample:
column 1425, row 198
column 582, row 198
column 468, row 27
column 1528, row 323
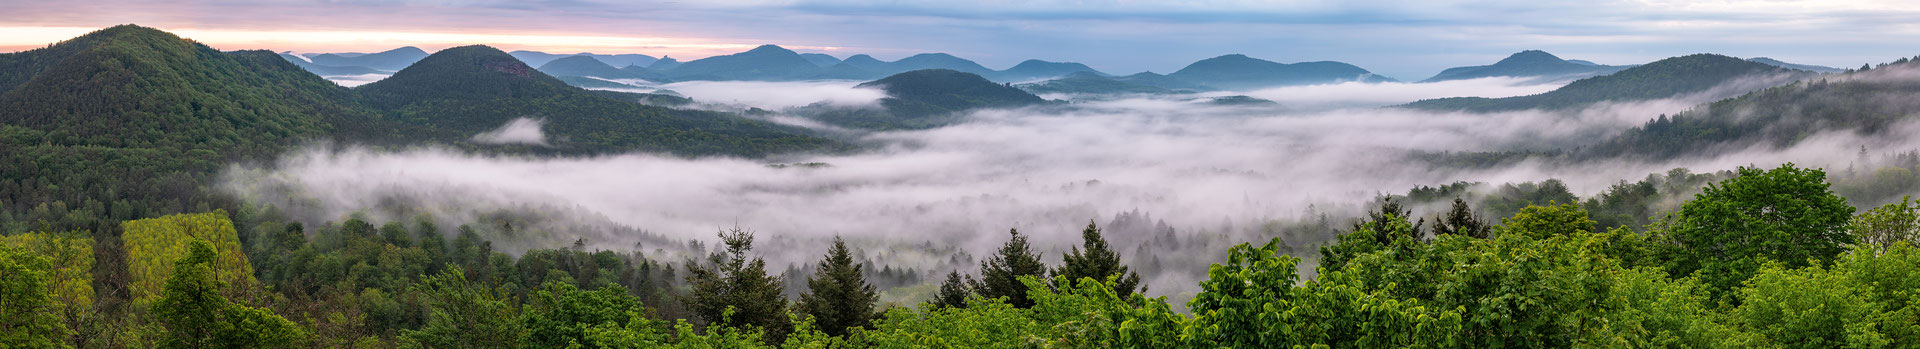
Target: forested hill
column 462, row 91
column 132, row 120
column 1866, row 102
column 924, row 98
column 1665, row 78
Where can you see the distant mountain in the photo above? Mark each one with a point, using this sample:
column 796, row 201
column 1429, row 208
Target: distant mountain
column 820, row 59
column 664, row 64
column 1527, row 64
column 389, row 60
column 143, row 113
column 584, row 66
column 925, row 98
column 1863, row 103
column 767, row 62
column 462, row 91
column 325, row 70
column 773, row 63
column 1806, row 67
column 1665, row 78
column 1034, row 69
column 537, row 58
column 1091, row 83
column 1238, row 71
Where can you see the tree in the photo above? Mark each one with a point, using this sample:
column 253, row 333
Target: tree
column 1463, row 221
column 559, row 315
column 1786, row 215
column 461, row 314
column 1098, row 262
column 1882, row 226
column 196, row 315
column 1000, row 274
column 1383, row 230
column 27, row 313
column 1251, row 301
column 838, row 297
column 953, row 292
column 1540, row 222
column 731, row 290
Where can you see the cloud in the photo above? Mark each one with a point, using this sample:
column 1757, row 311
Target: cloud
column 778, row 95
column 355, row 80
column 517, row 131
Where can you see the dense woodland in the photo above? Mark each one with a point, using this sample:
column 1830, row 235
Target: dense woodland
column 110, row 237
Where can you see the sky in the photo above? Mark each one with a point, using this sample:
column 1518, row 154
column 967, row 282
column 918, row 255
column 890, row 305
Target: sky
column 1404, row 39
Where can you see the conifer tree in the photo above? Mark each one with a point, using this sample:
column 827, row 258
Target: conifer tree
column 1462, row 220
column 1000, row 274
column 1098, row 261
column 838, row 297
column 953, row 292
column 731, row 281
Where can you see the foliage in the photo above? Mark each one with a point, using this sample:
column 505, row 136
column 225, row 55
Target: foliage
column 1540, row 222
column 953, row 292
column 1785, row 215
column 1883, row 226
column 155, row 245
column 27, row 311
column 462, row 314
column 838, row 298
column 196, row 315
column 1097, row 262
column 1000, row 274
column 733, row 291
column 1250, row 301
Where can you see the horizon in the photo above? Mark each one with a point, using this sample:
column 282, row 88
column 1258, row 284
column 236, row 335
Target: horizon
column 1407, row 42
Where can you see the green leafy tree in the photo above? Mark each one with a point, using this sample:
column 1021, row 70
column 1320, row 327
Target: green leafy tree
column 196, row 315
column 953, row 292
column 838, row 297
column 463, row 314
column 1540, row 222
column 559, row 315
column 1786, row 215
column 1810, row 308
column 733, row 291
column 1097, row 262
column 27, row 312
column 1000, row 274
column 1251, row 302
column 1881, row 227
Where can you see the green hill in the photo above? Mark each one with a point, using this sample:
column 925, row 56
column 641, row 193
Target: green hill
column 1665, row 78
column 1034, row 69
column 1530, row 63
column 1867, row 102
column 463, row 91
column 133, row 120
column 923, row 98
column 1238, row 71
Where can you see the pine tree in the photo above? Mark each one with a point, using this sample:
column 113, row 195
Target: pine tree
column 730, row 290
column 953, row 293
column 1098, row 261
column 1462, row 220
column 838, row 296
column 1000, row 274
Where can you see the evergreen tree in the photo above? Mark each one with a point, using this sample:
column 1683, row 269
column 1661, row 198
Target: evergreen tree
column 1000, row 274
column 1463, row 221
column 838, row 296
column 730, row 290
column 1098, row 261
column 953, row 292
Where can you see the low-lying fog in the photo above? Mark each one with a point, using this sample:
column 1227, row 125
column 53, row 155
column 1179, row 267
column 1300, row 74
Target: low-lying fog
column 1203, row 169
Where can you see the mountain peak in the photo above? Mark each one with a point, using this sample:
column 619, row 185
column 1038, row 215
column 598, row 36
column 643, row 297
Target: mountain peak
column 771, row 49
column 465, row 72
column 1531, row 56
